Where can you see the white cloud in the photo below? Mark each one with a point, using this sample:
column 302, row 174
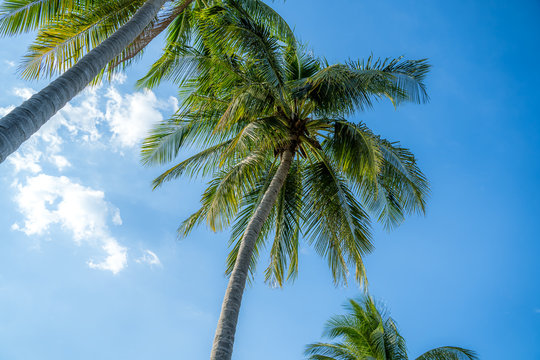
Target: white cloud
column 83, row 118
column 131, row 116
column 60, row 162
column 127, row 119
column 26, row 161
column 150, row 258
column 174, row 103
column 99, row 116
column 10, row 63
column 24, row 93
column 116, row 258
column 6, row 110
column 118, row 78
column 46, row 200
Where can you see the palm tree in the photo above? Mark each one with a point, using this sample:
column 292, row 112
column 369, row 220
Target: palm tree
column 368, row 332
column 270, row 119
column 83, row 40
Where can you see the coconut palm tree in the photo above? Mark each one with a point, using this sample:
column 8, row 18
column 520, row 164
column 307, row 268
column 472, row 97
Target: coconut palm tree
column 368, row 332
column 83, row 40
column 270, row 121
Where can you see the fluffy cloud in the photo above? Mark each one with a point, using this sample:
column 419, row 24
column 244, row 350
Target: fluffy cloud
column 100, row 115
column 150, row 258
column 24, row 93
column 131, row 116
column 26, row 160
column 124, row 120
column 5, row 110
column 46, row 201
column 79, row 121
column 116, row 259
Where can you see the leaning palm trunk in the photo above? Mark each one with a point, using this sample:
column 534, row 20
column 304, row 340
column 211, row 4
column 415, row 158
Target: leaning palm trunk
column 17, row 126
column 226, row 328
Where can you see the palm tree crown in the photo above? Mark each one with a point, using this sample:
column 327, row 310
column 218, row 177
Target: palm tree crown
column 250, row 96
column 367, row 332
column 271, row 121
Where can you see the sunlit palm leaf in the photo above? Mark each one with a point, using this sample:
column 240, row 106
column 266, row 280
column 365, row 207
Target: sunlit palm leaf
column 60, row 44
column 345, row 88
column 19, row 16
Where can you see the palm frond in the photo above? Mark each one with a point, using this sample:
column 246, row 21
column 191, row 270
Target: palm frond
column 355, row 151
column 203, row 163
column 448, row 353
column 406, row 76
column 284, row 251
column 63, row 41
column 186, row 129
column 177, row 16
column 20, row 16
column 299, row 63
column 230, row 29
column 177, row 63
column 367, row 331
column 329, row 351
column 221, row 200
column 336, row 223
column 402, row 187
column 346, row 88
column 262, row 13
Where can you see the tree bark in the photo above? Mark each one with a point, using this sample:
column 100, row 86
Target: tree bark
column 22, row 122
column 226, row 328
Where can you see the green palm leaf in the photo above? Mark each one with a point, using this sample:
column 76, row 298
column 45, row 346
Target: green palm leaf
column 20, row 16
column 283, row 263
column 337, row 225
column 62, row 42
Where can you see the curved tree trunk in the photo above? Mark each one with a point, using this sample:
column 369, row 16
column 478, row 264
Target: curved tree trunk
column 17, row 126
column 224, row 338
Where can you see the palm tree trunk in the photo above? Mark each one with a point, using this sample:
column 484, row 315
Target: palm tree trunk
column 17, row 126
column 226, row 328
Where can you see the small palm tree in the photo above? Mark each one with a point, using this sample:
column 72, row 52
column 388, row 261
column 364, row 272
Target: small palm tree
column 367, row 332
column 270, row 119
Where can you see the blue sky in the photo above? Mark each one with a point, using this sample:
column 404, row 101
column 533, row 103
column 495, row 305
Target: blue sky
column 90, row 266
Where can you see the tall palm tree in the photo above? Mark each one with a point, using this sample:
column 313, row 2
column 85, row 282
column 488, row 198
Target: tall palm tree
column 368, row 332
column 83, row 40
column 270, row 119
